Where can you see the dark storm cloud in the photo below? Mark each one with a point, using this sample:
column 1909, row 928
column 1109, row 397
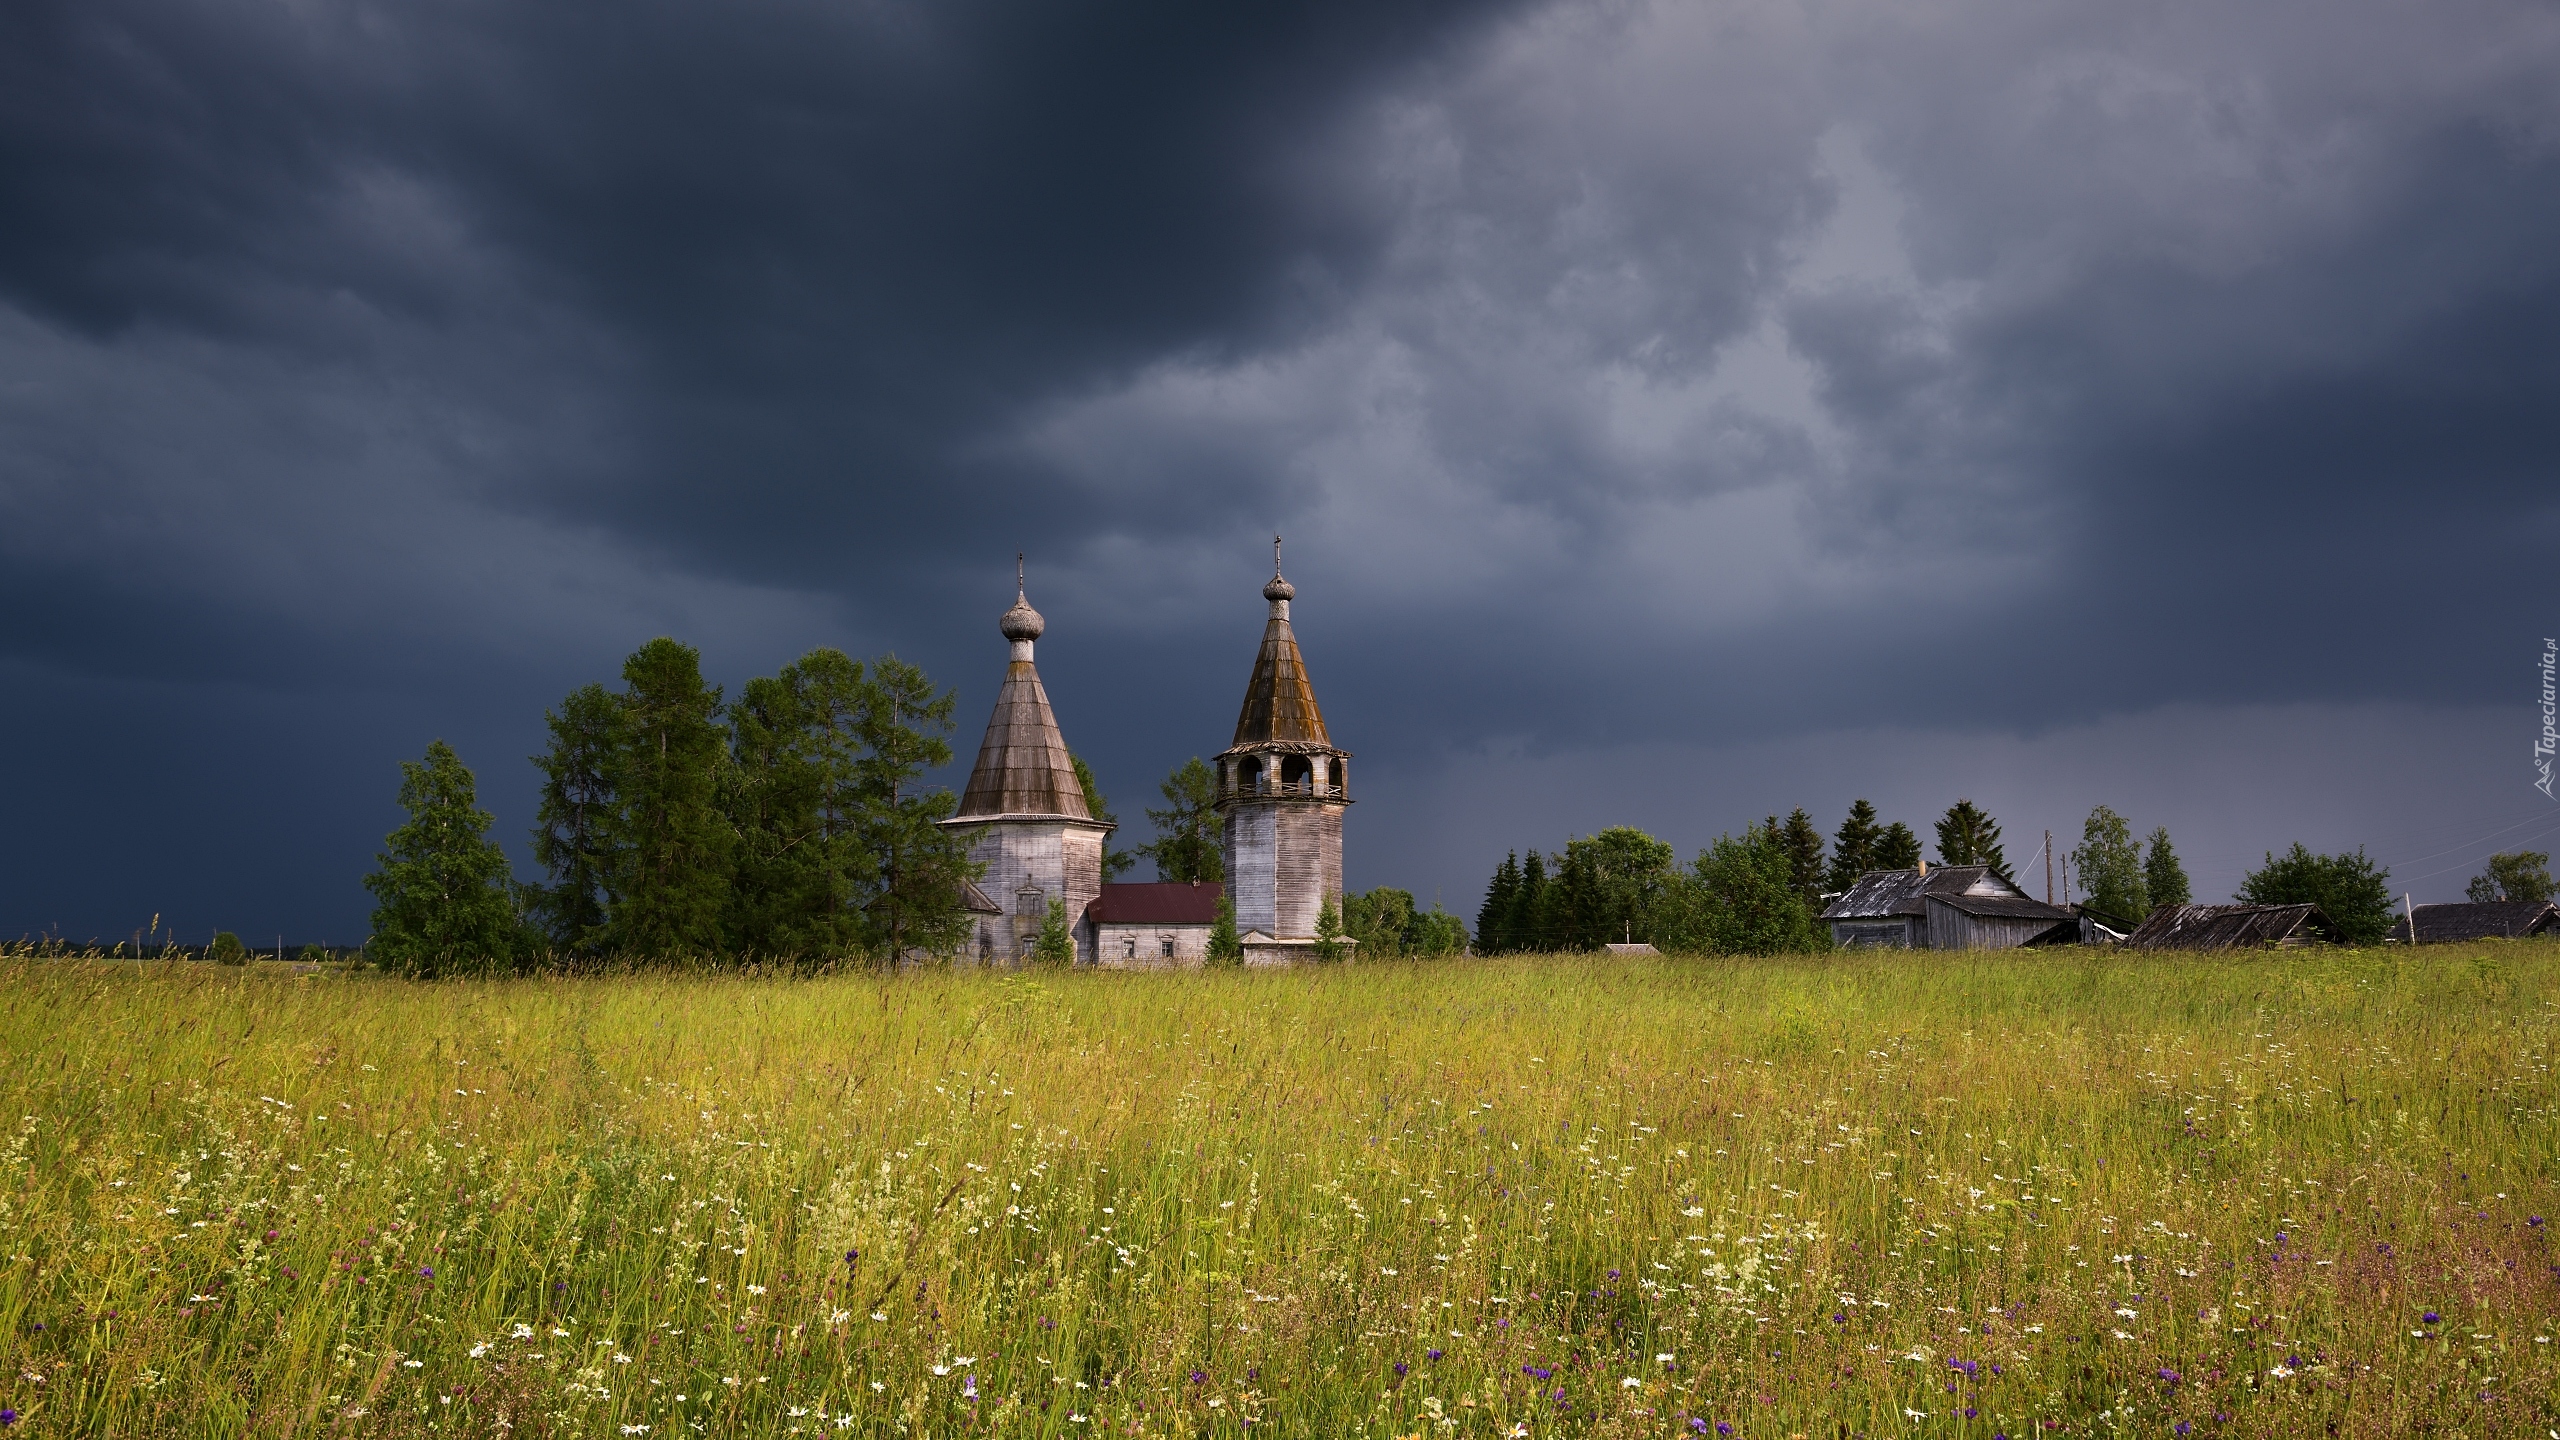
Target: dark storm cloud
column 1634, row 381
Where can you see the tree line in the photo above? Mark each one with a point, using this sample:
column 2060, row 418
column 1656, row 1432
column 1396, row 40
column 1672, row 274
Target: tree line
column 790, row 823
column 1761, row 891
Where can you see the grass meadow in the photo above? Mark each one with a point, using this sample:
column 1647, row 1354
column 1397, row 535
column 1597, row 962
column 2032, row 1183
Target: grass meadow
column 2027, row 1194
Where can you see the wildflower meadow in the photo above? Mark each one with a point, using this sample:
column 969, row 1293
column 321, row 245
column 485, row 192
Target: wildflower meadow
column 2021, row 1194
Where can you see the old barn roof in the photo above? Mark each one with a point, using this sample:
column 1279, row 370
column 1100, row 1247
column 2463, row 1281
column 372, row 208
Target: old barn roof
column 1880, row 893
column 2012, row 907
column 2494, row 920
column 1157, row 904
column 2227, row 927
column 1279, row 701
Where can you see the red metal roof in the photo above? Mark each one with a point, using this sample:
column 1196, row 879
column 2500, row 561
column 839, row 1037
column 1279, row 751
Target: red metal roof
column 1156, row 904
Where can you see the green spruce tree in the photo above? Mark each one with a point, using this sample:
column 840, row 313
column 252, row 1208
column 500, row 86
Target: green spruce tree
column 919, row 865
column 1501, row 901
column 1805, row 869
column 1226, row 948
column 800, row 797
column 1897, row 848
column 667, row 882
column 1186, row 848
column 1056, row 945
column 1531, row 927
column 1329, row 946
column 573, row 826
column 2109, row 865
column 1969, row 836
column 443, row 901
column 2164, row 880
column 1853, row 846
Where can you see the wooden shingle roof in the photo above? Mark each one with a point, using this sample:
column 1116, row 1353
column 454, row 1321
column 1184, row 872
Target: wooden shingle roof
column 2230, row 927
column 2495, row 920
column 1023, row 767
column 1973, row 889
column 1280, row 702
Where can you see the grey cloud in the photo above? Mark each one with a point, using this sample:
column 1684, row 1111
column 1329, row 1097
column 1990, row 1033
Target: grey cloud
column 1626, row 376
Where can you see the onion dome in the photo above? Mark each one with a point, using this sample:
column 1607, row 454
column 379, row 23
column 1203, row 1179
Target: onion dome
column 1022, row 622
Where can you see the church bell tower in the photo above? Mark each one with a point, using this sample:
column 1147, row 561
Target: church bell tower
column 1282, row 788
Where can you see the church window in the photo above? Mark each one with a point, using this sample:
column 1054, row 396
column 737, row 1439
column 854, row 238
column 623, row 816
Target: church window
column 1294, row 770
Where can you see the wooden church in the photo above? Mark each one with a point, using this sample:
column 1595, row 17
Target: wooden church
column 1282, row 790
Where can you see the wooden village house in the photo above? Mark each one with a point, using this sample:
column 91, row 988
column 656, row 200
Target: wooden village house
column 1949, row 907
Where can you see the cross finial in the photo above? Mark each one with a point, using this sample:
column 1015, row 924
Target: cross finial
column 1275, row 554
column 1017, row 573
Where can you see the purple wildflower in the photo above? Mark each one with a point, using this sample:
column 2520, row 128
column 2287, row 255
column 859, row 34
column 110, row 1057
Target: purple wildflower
column 2168, row 1376
column 2431, row 1317
column 1199, row 1377
column 1430, row 1354
column 1697, row 1424
column 1724, row 1427
column 1968, row 1412
column 426, row 1272
column 8, row 1415
column 1839, row 1318
column 1402, row 1369
column 2182, row 1427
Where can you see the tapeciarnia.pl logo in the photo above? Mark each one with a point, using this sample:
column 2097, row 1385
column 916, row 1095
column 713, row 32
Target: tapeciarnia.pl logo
column 2542, row 748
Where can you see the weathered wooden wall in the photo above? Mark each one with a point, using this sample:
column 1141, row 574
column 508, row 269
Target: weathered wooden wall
column 1284, row 856
column 1952, row 929
column 1061, row 859
column 1142, row 946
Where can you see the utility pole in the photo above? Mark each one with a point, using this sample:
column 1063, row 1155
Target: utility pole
column 2048, row 867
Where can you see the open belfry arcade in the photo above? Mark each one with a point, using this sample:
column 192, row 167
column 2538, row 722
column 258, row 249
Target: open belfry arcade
column 1282, row 787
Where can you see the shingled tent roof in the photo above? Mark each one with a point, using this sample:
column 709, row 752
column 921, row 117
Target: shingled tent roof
column 2494, row 920
column 1280, row 702
column 2227, row 927
column 1023, row 767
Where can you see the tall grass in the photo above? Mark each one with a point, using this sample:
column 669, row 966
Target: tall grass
column 1947, row 1195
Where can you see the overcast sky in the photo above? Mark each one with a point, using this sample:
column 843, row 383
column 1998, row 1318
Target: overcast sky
column 1677, row 412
